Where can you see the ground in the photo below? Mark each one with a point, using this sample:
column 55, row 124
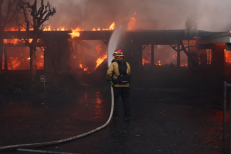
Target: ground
column 163, row 121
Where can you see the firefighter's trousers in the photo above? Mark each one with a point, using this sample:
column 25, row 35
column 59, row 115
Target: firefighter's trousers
column 124, row 92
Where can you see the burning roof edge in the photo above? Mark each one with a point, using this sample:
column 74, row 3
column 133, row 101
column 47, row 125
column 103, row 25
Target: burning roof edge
column 207, row 37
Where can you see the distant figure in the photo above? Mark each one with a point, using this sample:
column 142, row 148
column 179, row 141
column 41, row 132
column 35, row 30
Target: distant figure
column 118, row 74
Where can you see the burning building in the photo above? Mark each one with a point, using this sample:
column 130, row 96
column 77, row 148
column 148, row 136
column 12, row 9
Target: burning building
column 55, row 44
column 62, row 50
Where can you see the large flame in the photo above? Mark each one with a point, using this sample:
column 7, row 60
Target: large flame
column 132, row 22
column 100, row 60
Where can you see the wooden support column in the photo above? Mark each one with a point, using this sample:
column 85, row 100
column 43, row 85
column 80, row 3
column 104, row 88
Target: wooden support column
column 135, row 61
column 45, row 61
column 178, row 55
column 140, row 56
column 129, row 52
column 152, row 55
column 204, row 58
column 137, row 55
column 1, row 54
column 218, row 63
column 5, row 58
column 31, row 60
column 189, row 61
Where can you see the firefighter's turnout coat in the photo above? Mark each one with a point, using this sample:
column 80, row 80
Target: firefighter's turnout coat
column 113, row 72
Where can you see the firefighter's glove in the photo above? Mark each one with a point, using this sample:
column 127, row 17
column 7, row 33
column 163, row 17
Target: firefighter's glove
column 111, row 83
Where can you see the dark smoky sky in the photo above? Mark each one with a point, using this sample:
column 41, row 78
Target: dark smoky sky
column 213, row 15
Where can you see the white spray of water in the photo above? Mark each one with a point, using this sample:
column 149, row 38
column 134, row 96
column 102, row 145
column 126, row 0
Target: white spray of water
column 113, row 43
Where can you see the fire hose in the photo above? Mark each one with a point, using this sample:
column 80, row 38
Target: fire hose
column 34, row 145
column 113, row 43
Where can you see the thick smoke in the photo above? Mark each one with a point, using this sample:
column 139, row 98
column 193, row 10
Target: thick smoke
column 212, row 15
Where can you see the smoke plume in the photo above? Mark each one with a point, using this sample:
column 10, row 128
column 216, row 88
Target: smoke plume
column 212, row 15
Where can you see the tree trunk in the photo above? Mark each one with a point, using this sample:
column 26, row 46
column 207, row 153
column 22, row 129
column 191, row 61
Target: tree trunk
column 33, row 67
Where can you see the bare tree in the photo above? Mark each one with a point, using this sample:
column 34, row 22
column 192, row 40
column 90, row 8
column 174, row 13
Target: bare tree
column 190, row 34
column 34, row 19
column 8, row 12
column 190, row 26
column 183, row 48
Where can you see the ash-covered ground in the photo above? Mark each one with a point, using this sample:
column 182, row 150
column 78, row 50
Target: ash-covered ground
column 164, row 120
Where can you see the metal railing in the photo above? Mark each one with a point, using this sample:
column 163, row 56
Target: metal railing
column 226, row 85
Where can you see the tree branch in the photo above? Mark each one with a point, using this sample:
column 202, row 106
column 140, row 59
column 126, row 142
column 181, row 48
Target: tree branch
column 174, row 47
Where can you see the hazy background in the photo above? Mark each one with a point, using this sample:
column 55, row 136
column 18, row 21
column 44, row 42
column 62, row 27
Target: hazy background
column 212, row 15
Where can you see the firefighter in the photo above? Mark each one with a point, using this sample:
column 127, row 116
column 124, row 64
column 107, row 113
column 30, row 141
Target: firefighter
column 118, row 74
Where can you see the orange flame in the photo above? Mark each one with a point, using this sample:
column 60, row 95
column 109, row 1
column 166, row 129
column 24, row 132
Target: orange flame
column 75, row 32
column 144, row 61
column 186, row 65
column 227, row 56
column 84, row 68
column 47, row 29
column 14, row 63
column 112, row 27
column 21, row 29
column 99, row 48
column 174, row 56
column 100, row 60
column 159, row 63
column 16, row 41
column 132, row 22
